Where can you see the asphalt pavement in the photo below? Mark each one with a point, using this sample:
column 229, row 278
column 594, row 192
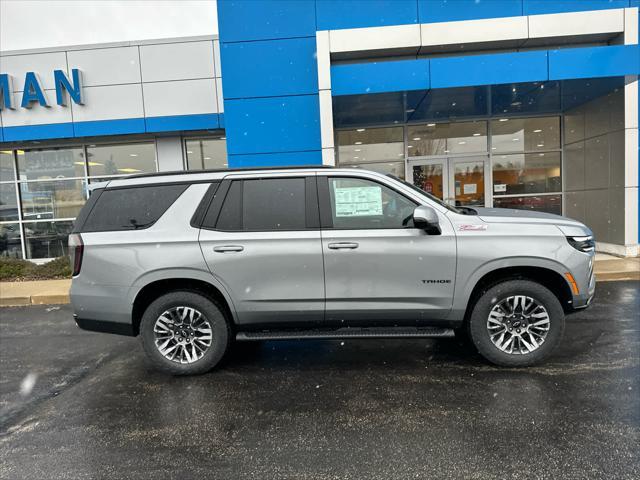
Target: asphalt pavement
column 76, row 405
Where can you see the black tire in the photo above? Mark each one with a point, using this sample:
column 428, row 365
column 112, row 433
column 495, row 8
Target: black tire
column 209, row 308
column 480, row 314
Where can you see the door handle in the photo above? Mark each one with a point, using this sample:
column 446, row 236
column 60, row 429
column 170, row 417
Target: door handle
column 343, row 245
column 228, row 248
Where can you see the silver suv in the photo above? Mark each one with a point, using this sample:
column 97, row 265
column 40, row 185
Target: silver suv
column 192, row 261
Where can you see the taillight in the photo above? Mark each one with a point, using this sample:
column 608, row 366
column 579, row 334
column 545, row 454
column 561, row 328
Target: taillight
column 76, row 249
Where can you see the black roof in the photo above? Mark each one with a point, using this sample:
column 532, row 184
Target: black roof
column 220, row 170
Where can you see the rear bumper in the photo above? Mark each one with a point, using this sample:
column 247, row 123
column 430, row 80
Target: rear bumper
column 104, row 326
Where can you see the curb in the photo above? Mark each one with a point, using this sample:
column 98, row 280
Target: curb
column 34, row 300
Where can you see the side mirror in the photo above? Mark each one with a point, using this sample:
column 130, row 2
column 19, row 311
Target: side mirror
column 426, row 218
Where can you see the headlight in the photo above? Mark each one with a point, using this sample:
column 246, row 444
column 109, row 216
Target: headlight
column 584, row 244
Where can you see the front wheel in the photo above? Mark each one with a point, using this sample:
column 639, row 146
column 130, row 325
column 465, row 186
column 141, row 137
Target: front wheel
column 516, row 323
column 184, row 333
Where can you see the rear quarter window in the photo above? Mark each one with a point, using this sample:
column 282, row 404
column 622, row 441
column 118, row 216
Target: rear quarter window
column 130, row 208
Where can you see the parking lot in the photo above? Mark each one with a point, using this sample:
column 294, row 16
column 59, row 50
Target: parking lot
column 75, row 405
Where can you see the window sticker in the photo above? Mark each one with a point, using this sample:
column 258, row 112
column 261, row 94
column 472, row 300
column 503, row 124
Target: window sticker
column 358, row 201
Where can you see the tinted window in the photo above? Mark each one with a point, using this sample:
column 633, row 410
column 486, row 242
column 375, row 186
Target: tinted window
column 231, row 213
column 263, row 205
column 362, row 204
column 131, row 208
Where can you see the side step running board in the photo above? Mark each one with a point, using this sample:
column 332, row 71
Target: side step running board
column 342, row 333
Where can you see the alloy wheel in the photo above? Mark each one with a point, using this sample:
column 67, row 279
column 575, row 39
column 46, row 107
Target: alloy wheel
column 182, row 334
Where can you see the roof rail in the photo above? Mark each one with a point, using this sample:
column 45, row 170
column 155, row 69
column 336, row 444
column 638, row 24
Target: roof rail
column 219, row 170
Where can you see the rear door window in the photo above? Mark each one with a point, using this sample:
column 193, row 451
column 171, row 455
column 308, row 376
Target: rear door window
column 268, row 205
column 130, row 208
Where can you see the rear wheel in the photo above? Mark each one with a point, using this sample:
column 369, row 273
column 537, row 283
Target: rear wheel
column 184, row 333
column 516, row 323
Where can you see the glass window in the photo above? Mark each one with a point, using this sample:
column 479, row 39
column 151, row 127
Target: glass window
column 540, row 203
column 8, row 202
column 46, row 239
column 206, row 153
column 10, row 240
column 525, row 134
column 366, row 145
column 446, row 138
column 230, row 217
column 51, row 163
column 131, row 208
column 469, row 182
column 126, row 158
column 54, row 199
column 392, row 168
column 526, row 173
column 7, row 173
column 274, row 204
column 430, row 179
column 362, row 204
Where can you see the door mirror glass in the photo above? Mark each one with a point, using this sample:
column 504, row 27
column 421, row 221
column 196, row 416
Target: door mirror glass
column 426, row 218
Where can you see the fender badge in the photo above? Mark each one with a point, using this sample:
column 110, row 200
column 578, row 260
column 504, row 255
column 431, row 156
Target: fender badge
column 472, row 228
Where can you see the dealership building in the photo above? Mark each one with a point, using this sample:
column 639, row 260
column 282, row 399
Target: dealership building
column 529, row 104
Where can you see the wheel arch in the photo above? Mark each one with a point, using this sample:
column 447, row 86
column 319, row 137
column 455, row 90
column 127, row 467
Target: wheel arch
column 546, row 276
column 154, row 285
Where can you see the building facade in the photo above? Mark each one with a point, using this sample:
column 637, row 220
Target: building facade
column 527, row 104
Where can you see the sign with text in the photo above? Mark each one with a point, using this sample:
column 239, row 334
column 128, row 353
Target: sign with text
column 33, row 92
column 358, row 201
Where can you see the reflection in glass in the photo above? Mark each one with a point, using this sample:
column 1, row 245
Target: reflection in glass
column 8, row 202
column 10, row 240
column 124, row 158
column 539, row 203
column 394, row 168
column 525, row 134
column 7, row 173
column 469, row 183
column 51, row 163
column 206, row 153
column 55, row 199
column 370, row 144
column 46, row 239
column 530, row 173
column 430, row 179
column 446, row 138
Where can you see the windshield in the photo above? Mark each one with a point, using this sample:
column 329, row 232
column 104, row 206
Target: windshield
column 428, row 195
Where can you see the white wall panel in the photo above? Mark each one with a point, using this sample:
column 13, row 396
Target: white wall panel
column 323, row 52
column 177, row 61
column 326, row 119
column 474, row 31
column 169, row 154
column 110, row 102
column 37, row 115
column 576, row 23
column 375, row 38
column 180, row 98
column 42, row 63
column 216, row 59
column 106, row 66
column 219, row 95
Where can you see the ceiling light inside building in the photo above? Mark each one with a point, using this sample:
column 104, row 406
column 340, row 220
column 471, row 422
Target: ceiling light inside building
column 541, row 144
column 476, row 134
column 358, row 143
column 431, row 124
column 133, row 154
column 207, row 158
column 417, row 139
column 537, row 130
column 504, row 119
column 360, row 130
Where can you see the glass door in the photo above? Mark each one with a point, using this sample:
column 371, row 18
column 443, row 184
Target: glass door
column 459, row 181
column 431, row 176
column 467, row 181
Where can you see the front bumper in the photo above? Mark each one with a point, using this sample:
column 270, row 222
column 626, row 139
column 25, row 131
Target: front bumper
column 584, row 299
